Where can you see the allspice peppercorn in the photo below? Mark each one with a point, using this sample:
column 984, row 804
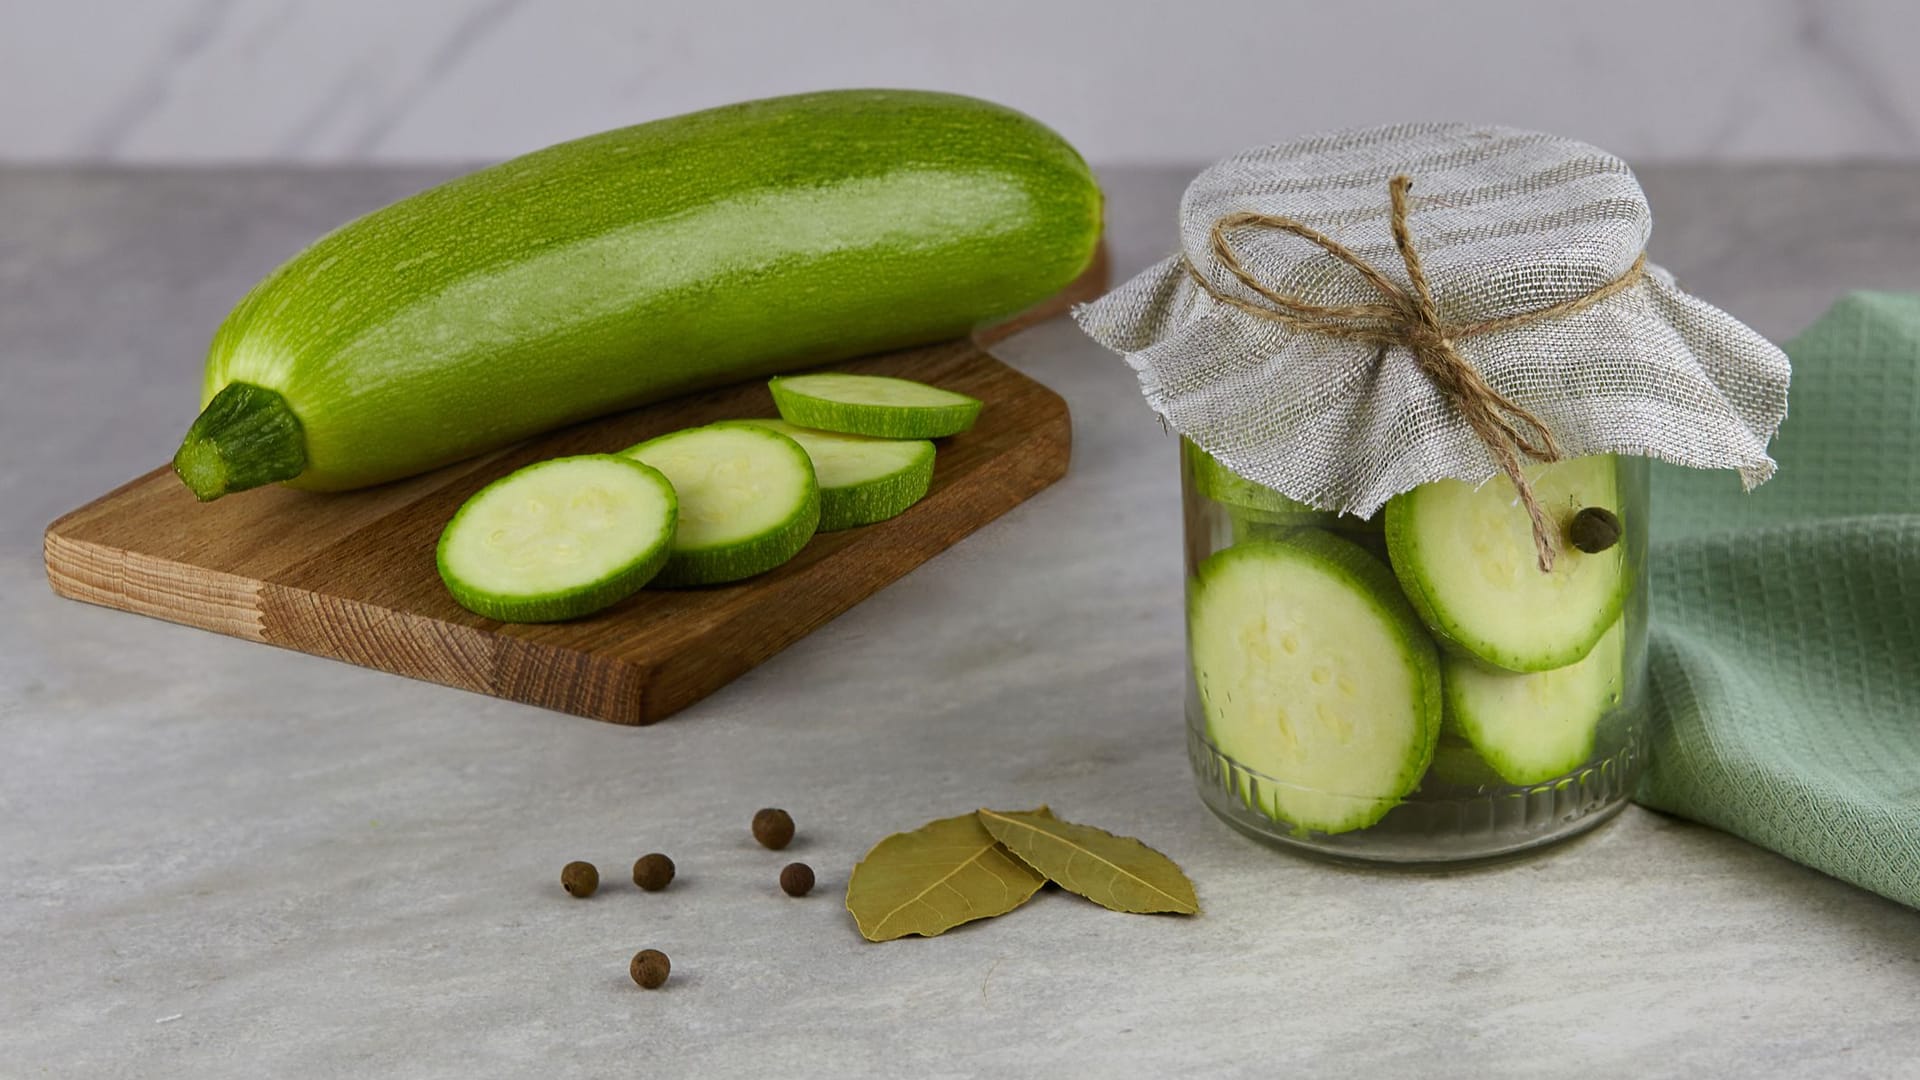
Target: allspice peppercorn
column 579, row 879
column 1594, row 529
column 653, row 872
column 650, row 968
column 796, row 879
column 773, row 828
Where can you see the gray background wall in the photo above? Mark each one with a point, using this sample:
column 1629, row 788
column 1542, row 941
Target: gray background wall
column 1129, row 81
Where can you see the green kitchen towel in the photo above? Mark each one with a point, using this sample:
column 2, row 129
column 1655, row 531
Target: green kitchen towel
column 1785, row 656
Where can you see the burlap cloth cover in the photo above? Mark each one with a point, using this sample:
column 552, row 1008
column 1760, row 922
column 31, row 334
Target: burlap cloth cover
column 1505, row 222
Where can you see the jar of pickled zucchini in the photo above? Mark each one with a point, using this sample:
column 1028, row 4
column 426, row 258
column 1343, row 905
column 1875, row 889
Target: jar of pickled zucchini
column 1411, row 687
column 1418, row 373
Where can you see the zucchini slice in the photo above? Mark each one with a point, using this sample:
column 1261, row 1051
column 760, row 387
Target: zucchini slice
column 1534, row 727
column 748, row 500
column 1312, row 670
column 1464, row 554
column 1250, row 527
column 874, row 405
column 862, row 479
column 1245, row 497
column 558, row 539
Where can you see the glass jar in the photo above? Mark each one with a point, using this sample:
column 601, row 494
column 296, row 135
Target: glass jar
column 1411, row 688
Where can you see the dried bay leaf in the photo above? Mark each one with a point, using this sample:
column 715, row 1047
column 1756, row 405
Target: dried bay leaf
column 1116, row 872
column 936, row 877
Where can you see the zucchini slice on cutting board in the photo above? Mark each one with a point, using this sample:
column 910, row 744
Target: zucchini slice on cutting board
column 876, row 405
column 559, row 539
column 748, row 500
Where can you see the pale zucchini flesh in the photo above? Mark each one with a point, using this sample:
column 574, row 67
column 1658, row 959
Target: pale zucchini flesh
column 862, row 479
column 559, row 539
column 1533, row 727
column 875, row 405
column 748, row 500
column 1464, row 554
column 1314, row 674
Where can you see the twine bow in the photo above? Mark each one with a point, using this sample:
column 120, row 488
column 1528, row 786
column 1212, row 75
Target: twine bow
column 1410, row 320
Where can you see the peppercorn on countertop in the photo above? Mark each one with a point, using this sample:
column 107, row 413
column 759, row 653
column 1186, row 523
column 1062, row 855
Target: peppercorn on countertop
column 222, row 859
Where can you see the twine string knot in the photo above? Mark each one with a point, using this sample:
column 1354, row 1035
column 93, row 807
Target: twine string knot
column 1410, row 319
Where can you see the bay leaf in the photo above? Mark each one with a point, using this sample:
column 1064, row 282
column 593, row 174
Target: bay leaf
column 932, row 879
column 1116, row 872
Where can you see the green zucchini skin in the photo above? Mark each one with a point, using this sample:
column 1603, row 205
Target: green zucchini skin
column 633, row 265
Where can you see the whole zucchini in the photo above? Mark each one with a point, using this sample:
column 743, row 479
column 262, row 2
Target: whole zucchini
column 629, row 266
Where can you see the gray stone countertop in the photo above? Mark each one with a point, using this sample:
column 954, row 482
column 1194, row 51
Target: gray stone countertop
column 222, row 859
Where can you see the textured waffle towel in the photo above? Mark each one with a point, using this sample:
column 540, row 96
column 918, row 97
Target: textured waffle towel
column 1505, row 222
column 1785, row 660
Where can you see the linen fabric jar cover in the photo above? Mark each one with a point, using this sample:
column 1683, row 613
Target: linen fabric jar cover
column 1297, row 360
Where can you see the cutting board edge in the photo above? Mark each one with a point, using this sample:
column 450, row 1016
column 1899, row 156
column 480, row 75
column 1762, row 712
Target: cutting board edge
column 76, row 568
column 420, row 647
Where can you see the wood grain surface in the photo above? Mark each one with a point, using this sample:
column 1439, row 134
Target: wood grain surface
column 351, row 576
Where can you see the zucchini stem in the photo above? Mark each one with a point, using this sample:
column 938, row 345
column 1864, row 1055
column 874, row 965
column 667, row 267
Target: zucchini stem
column 245, row 437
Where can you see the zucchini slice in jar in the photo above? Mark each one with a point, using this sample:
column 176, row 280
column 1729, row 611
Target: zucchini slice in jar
column 1533, row 727
column 1259, row 503
column 1313, row 672
column 1464, row 555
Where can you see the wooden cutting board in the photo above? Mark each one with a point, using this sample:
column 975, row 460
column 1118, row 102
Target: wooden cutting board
column 351, row 576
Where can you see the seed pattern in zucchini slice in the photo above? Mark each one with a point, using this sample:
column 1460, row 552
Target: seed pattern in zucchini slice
column 875, row 405
column 1533, row 727
column 559, row 539
column 862, row 479
column 1313, row 672
column 748, row 500
column 1464, row 555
